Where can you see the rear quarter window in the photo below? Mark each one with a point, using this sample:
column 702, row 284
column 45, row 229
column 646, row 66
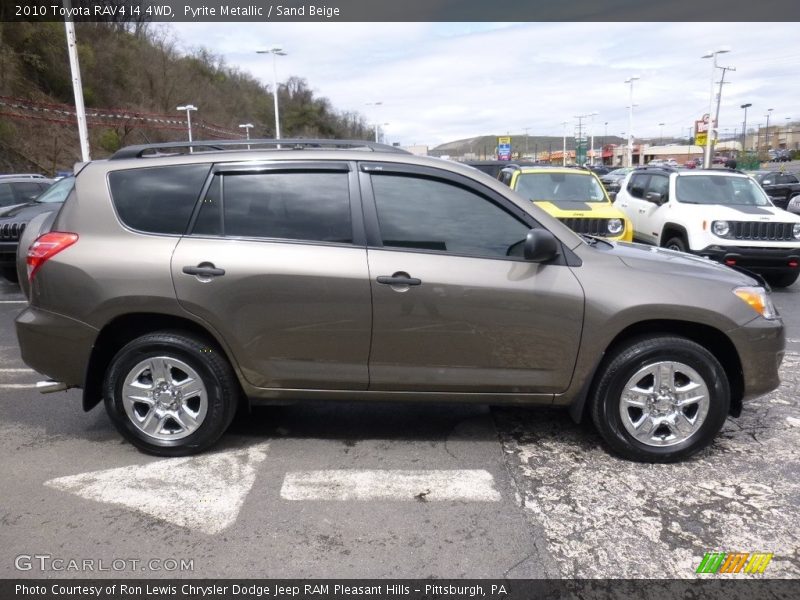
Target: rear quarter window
column 157, row 199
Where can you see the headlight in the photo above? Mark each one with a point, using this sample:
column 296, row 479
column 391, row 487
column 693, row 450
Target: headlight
column 720, row 228
column 759, row 301
column 796, row 231
column 615, row 226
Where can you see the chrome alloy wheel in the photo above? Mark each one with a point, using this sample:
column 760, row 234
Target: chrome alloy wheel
column 664, row 403
column 165, row 398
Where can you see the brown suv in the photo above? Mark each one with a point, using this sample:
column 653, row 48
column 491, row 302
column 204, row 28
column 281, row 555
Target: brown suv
column 175, row 286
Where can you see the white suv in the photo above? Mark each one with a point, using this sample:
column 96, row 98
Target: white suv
column 721, row 214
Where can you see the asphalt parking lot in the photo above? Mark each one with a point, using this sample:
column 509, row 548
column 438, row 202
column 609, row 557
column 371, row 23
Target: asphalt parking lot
column 440, row 491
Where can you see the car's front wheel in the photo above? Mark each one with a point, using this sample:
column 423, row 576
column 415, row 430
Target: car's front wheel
column 660, row 399
column 782, row 280
column 170, row 393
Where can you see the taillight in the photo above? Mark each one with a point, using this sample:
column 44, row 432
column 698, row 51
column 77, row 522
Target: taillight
column 46, row 247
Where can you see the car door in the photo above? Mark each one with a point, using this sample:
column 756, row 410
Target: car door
column 275, row 262
column 455, row 306
column 633, row 204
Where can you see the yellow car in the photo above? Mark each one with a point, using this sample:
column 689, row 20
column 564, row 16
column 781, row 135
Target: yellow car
column 574, row 196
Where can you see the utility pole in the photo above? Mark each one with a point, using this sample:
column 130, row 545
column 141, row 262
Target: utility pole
column 744, row 126
column 719, row 99
column 77, row 87
column 527, row 129
column 630, row 121
column 579, row 143
column 564, row 151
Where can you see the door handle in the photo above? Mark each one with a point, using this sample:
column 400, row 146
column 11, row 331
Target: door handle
column 399, row 279
column 204, row 270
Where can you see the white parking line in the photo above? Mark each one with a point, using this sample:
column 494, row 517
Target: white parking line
column 423, row 485
column 17, row 371
column 199, row 492
column 17, row 386
column 13, row 301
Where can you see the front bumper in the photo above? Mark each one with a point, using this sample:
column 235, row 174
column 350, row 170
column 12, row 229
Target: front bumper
column 8, row 253
column 758, row 259
column 761, row 346
column 55, row 345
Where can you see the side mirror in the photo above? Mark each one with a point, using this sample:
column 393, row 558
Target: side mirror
column 540, row 246
column 655, row 198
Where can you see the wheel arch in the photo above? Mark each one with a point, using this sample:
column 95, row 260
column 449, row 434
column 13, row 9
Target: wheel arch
column 714, row 340
column 671, row 229
column 124, row 328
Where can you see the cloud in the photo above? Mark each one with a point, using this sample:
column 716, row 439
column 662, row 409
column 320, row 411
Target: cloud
column 444, row 81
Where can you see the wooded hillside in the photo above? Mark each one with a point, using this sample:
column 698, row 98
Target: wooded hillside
column 134, row 76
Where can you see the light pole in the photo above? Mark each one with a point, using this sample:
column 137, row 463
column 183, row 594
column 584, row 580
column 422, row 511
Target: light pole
column 247, row 127
column 275, row 51
column 630, row 120
column 661, row 135
column 378, row 103
column 564, row 146
column 744, row 126
column 77, row 86
column 591, row 133
column 188, row 108
column 766, row 132
column 712, row 54
column 603, row 145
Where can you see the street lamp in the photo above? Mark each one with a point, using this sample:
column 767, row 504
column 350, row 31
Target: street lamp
column 378, row 103
column 630, row 120
column 247, row 127
column 712, row 54
column 564, row 146
column 591, row 133
column 661, row 135
column 744, row 125
column 188, row 108
column 275, row 51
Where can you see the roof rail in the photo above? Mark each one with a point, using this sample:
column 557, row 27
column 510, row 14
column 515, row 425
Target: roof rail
column 174, row 148
column 23, row 176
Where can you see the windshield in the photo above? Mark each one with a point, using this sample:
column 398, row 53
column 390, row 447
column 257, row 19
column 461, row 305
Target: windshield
column 560, row 188
column 720, row 189
column 58, row 192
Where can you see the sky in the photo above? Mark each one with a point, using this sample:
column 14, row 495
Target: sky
column 440, row 82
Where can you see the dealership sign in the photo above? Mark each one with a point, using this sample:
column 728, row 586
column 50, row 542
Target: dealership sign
column 504, row 148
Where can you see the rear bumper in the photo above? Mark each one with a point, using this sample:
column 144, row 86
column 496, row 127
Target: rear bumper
column 758, row 259
column 55, row 345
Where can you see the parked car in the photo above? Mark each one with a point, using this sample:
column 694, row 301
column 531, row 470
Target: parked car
column 493, row 167
column 20, row 189
column 694, row 163
column 14, row 219
column 174, row 287
column 612, row 179
column 780, row 187
column 719, row 214
column 574, row 196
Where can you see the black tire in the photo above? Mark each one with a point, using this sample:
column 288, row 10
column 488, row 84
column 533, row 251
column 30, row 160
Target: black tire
column 782, row 280
column 10, row 273
column 676, row 243
column 623, row 364
column 208, row 363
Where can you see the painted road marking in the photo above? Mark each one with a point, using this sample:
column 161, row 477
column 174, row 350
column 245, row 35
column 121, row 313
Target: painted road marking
column 17, row 386
column 203, row 492
column 13, row 301
column 424, row 485
column 17, row 371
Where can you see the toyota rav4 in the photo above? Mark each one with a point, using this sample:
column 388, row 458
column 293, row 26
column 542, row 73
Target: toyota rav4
column 176, row 287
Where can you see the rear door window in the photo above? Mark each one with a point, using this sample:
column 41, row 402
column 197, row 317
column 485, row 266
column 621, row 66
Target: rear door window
column 296, row 205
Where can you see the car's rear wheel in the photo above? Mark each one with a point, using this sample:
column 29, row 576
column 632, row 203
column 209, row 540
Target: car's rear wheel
column 170, row 393
column 782, row 280
column 660, row 399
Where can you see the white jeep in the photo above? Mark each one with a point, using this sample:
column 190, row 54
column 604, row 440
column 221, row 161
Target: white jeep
column 721, row 214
